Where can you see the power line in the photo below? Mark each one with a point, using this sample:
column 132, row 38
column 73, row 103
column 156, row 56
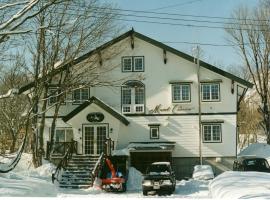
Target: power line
column 177, row 14
column 175, row 5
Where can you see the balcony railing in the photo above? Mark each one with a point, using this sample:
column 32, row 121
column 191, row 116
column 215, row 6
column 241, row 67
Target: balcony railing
column 60, row 148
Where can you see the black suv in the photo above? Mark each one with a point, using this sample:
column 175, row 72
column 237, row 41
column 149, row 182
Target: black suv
column 159, row 177
column 251, row 163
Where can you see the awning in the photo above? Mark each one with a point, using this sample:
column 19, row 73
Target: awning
column 151, row 146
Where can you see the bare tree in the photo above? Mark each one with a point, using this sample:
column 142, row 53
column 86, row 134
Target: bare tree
column 70, row 30
column 12, row 110
column 250, row 31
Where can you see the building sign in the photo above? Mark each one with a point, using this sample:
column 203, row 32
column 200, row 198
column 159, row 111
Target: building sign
column 171, row 109
column 95, row 117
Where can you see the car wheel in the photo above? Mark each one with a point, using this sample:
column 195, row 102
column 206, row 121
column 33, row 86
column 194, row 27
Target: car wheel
column 145, row 192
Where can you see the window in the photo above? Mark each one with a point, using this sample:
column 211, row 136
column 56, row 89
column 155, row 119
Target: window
column 52, row 94
column 154, row 132
column 80, row 95
column 210, row 92
column 180, row 92
column 211, row 132
column 133, row 97
column 133, row 64
column 63, row 135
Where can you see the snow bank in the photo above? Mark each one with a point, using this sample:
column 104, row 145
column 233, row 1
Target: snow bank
column 203, row 172
column 134, row 179
column 257, row 149
column 247, row 185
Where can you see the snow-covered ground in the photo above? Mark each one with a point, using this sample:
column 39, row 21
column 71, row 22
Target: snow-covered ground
column 244, row 185
column 26, row 181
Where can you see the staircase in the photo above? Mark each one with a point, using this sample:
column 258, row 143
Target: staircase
column 77, row 174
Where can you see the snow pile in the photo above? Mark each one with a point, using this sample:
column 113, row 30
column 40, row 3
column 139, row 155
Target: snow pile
column 203, row 172
column 232, row 184
column 257, row 149
column 135, row 179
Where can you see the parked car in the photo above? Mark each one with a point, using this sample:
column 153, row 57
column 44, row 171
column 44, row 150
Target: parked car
column 159, row 177
column 251, row 163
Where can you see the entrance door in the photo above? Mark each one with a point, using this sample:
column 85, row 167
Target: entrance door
column 94, row 139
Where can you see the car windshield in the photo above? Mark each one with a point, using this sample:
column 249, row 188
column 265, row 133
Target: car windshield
column 256, row 164
column 160, row 169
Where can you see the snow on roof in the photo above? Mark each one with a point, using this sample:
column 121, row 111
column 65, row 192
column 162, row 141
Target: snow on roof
column 257, row 149
column 240, row 185
column 121, row 152
column 157, row 145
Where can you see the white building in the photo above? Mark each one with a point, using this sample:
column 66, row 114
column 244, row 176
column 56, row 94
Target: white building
column 154, row 115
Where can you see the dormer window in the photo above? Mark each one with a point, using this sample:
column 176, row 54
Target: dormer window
column 133, row 97
column 133, row 64
column 80, row 95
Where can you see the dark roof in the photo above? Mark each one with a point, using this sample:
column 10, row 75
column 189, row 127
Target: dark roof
column 153, row 42
column 100, row 104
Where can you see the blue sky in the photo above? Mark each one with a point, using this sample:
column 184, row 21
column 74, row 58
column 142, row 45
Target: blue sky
column 221, row 56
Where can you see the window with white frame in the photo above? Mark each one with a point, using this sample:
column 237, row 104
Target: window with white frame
column 80, row 95
column 210, row 92
column 180, row 92
column 154, row 132
column 133, row 64
column 52, row 94
column 212, row 133
column 133, row 97
column 63, row 135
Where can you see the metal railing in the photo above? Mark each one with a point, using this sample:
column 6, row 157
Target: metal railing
column 60, row 148
column 97, row 167
column 64, row 161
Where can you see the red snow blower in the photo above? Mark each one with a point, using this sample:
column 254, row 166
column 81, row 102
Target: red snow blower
column 114, row 181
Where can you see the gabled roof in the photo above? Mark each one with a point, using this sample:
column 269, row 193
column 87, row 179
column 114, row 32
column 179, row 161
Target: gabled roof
column 153, row 42
column 101, row 104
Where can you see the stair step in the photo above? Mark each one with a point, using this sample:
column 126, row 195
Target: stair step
column 89, row 182
column 76, row 178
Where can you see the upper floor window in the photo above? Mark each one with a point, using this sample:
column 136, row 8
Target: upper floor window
column 133, row 64
column 80, row 95
column 53, row 94
column 210, row 92
column 133, row 97
column 180, row 92
column 211, row 132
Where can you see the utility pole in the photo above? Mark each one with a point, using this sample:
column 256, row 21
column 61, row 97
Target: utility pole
column 199, row 102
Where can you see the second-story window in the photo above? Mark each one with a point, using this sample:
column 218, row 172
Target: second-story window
column 133, row 97
column 52, row 94
column 133, row 64
column 210, row 92
column 180, row 92
column 80, row 95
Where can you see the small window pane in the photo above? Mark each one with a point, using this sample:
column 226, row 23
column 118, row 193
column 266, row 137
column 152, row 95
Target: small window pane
column 76, row 95
column 154, row 131
column 176, row 93
column 52, row 96
column 139, row 95
column 126, row 94
column 206, row 92
column 216, row 133
column 60, row 135
column 185, row 92
column 85, row 94
column 69, row 135
column 127, row 64
column 207, row 133
column 215, row 92
column 138, row 64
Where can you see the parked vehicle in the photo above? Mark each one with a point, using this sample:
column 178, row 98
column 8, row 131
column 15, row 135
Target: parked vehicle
column 159, row 177
column 251, row 163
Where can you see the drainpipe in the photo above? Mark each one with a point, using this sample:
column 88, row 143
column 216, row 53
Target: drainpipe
column 199, row 102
